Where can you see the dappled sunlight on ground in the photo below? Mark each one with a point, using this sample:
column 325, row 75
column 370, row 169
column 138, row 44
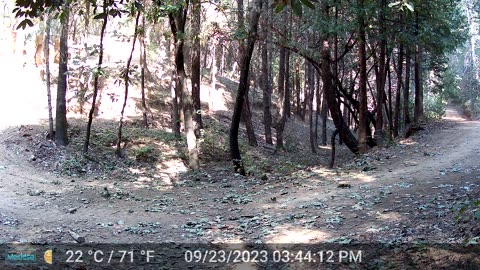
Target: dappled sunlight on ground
column 362, row 177
column 389, row 216
column 291, row 234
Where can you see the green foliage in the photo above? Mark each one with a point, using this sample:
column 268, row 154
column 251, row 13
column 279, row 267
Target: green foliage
column 451, row 86
column 297, row 5
column 402, row 5
column 434, row 106
column 145, row 153
column 213, row 144
column 469, row 211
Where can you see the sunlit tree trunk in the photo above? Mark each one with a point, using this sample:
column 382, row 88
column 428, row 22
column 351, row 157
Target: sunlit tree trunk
column 97, row 75
column 47, row 75
column 243, row 88
column 61, row 136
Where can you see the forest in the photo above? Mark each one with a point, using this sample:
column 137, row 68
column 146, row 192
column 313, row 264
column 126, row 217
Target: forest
column 246, row 124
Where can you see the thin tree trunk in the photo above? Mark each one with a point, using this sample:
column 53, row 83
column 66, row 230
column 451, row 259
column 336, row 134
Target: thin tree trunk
column 396, row 127
column 281, row 93
column 47, row 76
column 379, row 135
column 177, row 24
column 246, row 113
column 195, row 51
column 97, row 76
column 143, row 67
column 406, row 92
column 418, row 111
column 298, row 89
column 317, row 108
column 213, row 77
column 61, row 136
column 324, row 113
column 126, row 78
column 363, row 120
column 311, row 90
column 267, row 97
column 176, row 122
column 243, row 88
column 329, row 91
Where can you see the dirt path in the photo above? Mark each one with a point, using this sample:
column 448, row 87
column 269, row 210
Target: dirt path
column 400, row 194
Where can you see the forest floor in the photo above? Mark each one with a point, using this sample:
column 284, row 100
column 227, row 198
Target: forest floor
column 408, row 192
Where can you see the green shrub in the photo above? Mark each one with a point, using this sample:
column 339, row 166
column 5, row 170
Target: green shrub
column 145, row 153
column 434, row 106
column 214, row 144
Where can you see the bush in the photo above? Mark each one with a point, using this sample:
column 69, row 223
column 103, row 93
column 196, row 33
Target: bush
column 434, row 106
column 145, row 153
column 469, row 213
column 214, row 144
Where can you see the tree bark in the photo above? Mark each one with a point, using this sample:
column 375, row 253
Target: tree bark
column 418, row 109
column 126, row 80
column 61, row 136
column 362, row 117
column 96, row 79
column 143, row 67
column 406, row 92
column 281, row 93
column 243, row 88
column 177, row 24
column 196, row 79
column 379, row 136
column 330, row 95
column 47, row 75
column 311, row 92
column 267, row 95
column 396, row 127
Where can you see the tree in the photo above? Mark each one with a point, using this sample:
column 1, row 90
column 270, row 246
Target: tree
column 243, row 88
column 47, row 75
column 61, row 125
column 126, row 78
column 267, row 95
column 178, row 19
column 362, row 118
column 195, row 52
column 97, row 72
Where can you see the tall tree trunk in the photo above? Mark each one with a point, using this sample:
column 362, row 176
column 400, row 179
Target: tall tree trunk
column 362, row 118
column 243, row 88
column 126, row 80
column 96, row 78
column 287, row 84
column 143, row 67
column 175, row 96
column 177, row 24
column 318, row 105
column 267, row 96
column 418, row 109
column 246, row 113
column 213, row 76
column 281, row 93
column 311, row 92
column 330, row 94
column 298, row 89
column 324, row 114
column 47, row 75
column 61, row 136
column 396, row 127
column 379, row 136
column 406, row 91
column 195, row 51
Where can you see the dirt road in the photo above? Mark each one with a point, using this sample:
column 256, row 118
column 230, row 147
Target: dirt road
column 402, row 193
